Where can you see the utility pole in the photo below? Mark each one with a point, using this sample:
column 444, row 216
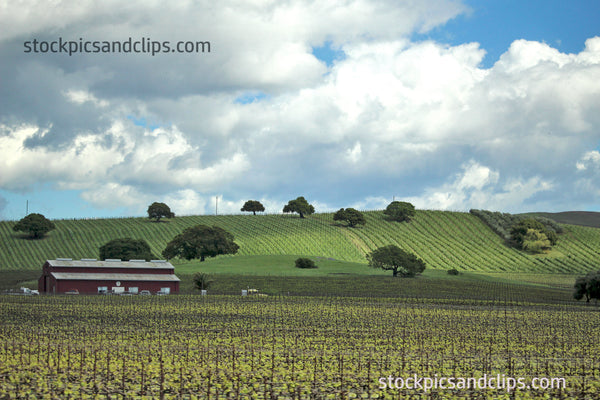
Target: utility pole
column 27, row 208
column 217, row 205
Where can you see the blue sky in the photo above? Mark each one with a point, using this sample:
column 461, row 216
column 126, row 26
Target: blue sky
column 447, row 104
column 564, row 25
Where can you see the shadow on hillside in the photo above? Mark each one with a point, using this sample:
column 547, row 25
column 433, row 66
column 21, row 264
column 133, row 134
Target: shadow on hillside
column 343, row 225
column 16, row 279
column 25, row 236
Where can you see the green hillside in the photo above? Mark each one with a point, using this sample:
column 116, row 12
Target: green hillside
column 442, row 239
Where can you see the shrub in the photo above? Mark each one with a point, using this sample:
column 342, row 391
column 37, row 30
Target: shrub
column 202, row 280
column 453, row 271
column 305, row 263
column 513, row 228
column 535, row 241
column 526, row 233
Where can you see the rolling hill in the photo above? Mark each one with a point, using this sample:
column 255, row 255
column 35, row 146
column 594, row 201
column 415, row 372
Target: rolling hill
column 442, row 239
column 583, row 218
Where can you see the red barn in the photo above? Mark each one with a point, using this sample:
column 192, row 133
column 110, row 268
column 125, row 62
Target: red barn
column 116, row 276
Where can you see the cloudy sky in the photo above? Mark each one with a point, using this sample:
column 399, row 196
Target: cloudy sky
column 448, row 104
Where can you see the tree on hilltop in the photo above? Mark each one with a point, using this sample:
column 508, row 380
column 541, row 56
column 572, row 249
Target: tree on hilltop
column 159, row 210
column 300, row 206
column 126, row 249
column 201, row 241
column 397, row 260
column 36, row 225
column 399, row 211
column 253, row 206
column 352, row 216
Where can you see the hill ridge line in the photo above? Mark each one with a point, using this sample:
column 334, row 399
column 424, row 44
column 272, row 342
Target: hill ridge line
column 443, row 239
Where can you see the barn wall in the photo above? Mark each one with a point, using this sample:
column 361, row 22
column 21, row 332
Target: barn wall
column 48, row 284
column 92, row 286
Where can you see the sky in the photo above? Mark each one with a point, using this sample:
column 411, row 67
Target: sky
column 448, row 104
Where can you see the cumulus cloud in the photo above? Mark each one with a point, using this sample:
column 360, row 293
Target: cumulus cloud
column 587, row 176
column 125, row 160
column 477, row 186
column 590, row 159
column 392, row 117
column 82, row 96
column 371, row 203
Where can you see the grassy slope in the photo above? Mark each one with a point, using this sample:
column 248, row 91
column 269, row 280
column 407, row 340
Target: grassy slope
column 442, row 239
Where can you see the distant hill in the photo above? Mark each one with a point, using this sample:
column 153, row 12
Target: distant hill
column 583, row 218
column 443, row 239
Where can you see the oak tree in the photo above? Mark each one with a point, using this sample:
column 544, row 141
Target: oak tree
column 36, row 225
column 399, row 211
column 201, row 241
column 253, row 206
column 300, row 206
column 159, row 210
column 126, row 249
column 397, row 260
column 352, row 216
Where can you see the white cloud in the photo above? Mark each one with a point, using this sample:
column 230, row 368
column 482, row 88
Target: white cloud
column 371, row 203
column 84, row 96
column 478, row 186
column 391, row 114
column 587, row 177
column 112, row 195
column 589, row 159
column 186, row 202
column 354, row 153
column 477, row 176
column 162, row 157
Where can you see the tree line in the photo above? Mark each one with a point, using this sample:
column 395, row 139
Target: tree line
column 533, row 234
column 201, row 241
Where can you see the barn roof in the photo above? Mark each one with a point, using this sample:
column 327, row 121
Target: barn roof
column 92, row 263
column 90, row 276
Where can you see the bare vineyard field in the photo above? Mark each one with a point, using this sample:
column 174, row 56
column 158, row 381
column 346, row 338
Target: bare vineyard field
column 226, row 347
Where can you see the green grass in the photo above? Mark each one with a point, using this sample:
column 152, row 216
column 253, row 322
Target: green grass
column 277, row 275
column 444, row 240
column 431, row 285
column 565, row 281
column 276, row 266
